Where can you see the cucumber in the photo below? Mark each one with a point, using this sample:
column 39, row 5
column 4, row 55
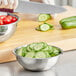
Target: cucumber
column 44, row 17
column 28, row 48
column 32, row 45
column 44, row 27
column 30, row 54
column 45, row 49
column 50, row 49
column 38, row 47
column 19, row 52
column 68, row 19
column 44, row 44
column 47, row 54
column 69, row 24
column 22, row 51
column 55, row 51
column 40, row 55
column 52, row 55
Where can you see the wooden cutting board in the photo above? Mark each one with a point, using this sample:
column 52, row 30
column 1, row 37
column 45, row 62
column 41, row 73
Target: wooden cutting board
column 26, row 33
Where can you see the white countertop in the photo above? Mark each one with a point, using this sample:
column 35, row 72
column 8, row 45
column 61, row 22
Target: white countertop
column 66, row 66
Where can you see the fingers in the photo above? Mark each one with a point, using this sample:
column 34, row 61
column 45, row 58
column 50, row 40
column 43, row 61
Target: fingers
column 0, row 2
column 15, row 4
column 3, row 3
column 11, row 4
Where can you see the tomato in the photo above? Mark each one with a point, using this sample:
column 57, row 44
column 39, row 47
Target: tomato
column 14, row 19
column 7, row 21
column 2, row 17
column 1, row 22
column 10, row 17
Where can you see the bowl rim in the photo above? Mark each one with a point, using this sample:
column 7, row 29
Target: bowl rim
column 18, row 19
column 14, row 52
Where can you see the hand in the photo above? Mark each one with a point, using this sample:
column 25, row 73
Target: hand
column 10, row 4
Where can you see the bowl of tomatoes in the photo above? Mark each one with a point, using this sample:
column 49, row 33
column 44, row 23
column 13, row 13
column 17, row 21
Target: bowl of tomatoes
column 8, row 25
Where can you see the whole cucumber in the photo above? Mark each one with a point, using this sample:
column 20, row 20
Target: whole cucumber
column 69, row 24
column 68, row 19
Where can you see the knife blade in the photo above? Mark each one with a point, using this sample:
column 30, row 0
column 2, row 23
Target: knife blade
column 37, row 8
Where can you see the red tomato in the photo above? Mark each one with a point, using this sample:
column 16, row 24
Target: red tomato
column 10, row 17
column 1, row 22
column 7, row 21
column 2, row 17
column 14, row 19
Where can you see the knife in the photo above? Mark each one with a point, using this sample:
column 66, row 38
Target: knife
column 36, row 8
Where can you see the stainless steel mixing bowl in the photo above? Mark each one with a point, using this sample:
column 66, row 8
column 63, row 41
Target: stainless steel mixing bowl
column 36, row 64
column 6, row 31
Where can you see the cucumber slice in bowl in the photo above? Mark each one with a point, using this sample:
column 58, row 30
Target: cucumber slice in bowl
column 38, row 47
column 56, row 51
column 28, row 48
column 40, row 55
column 44, row 17
column 32, row 45
column 30, row 55
column 22, row 51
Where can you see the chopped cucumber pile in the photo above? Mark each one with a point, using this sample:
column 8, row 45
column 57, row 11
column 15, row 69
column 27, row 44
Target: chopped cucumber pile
column 44, row 17
column 38, row 50
column 45, row 27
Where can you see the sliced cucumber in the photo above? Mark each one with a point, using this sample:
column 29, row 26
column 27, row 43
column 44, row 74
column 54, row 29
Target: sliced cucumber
column 44, row 17
column 51, row 26
column 38, row 47
column 52, row 55
column 38, row 50
column 44, row 27
column 47, row 54
column 22, row 51
column 30, row 54
column 56, row 51
column 19, row 52
column 32, row 45
column 44, row 44
column 50, row 49
column 46, row 49
column 28, row 48
column 40, row 55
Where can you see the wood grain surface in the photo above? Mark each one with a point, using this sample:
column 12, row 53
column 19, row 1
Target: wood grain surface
column 26, row 33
